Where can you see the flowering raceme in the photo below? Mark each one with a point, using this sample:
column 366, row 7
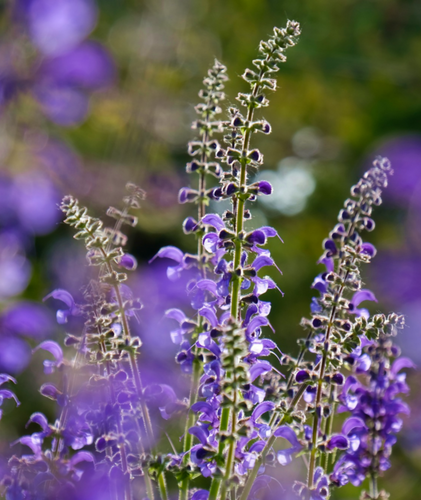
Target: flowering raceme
column 251, row 407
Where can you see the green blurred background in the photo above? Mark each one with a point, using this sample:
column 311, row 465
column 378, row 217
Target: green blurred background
column 352, row 84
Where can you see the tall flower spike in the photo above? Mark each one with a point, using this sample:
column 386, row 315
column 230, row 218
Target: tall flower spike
column 109, row 306
column 375, row 408
column 237, row 243
column 337, row 326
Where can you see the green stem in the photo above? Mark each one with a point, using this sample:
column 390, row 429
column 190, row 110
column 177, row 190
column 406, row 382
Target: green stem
column 270, row 442
column 374, row 492
column 231, row 452
column 162, row 485
column 223, row 427
column 188, row 438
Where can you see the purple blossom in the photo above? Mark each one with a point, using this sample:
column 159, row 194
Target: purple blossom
column 374, row 421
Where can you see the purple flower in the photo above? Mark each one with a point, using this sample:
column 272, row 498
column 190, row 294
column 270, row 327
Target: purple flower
column 285, row 456
column 374, row 420
column 65, row 297
column 55, row 27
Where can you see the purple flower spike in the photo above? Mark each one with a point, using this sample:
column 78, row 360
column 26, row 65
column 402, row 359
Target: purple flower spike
column 65, row 297
column 338, row 441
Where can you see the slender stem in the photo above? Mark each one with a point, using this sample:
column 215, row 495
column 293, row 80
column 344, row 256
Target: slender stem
column 223, row 427
column 270, row 442
column 231, row 452
column 374, row 492
column 162, row 485
column 188, row 438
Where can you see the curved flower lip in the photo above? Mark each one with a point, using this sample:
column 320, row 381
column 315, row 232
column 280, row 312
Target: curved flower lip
column 328, row 262
column 67, row 298
column 205, row 408
column 259, row 368
column 257, row 446
column 169, row 252
column 285, row 456
column 353, row 423
column 210, row 315
column 208, row 285
column 6, row 394
column 81, row 456
column 256, row 322
column 361, row 296
column 261, row 409
column 176, row 314
column 263, row 261
column 213, row 220
column 401, row 363
column 4, row 377
column 265, row 187
column 256, row 237
column 41, row 420
column 270, row 232
column 53, row 348
column 34, row 442
column 200, row 434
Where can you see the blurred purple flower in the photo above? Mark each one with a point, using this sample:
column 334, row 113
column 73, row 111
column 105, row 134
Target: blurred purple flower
column 56, row 27
column 27, row 319
column 15, row 354
column 36, row 199
column 15, row 269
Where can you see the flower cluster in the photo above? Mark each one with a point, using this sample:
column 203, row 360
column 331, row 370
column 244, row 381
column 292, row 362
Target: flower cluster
column 104, row 441
column 375, row 409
